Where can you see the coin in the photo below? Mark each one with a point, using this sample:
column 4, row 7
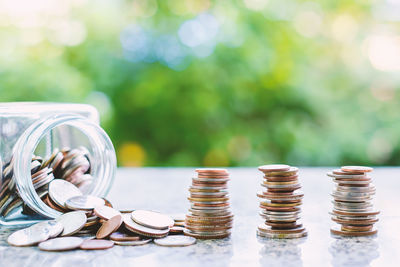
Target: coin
column 28, row 237
column 209, row 215
column 274, row 168
column 142, row 230
column 176, row 230
column 175, row 241
column 61, row 243
column 96, row 244
column 60, row 191
column 352, row 203
column 53, row 227
column 84, row 202
column 105, row 212
column 109, row 227
column 152, row 219
column 118, row 236
column 72, row 222
column 132, row 243
column 356, row 169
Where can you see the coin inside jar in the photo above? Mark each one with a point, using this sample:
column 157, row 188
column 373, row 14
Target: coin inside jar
column 60, row 191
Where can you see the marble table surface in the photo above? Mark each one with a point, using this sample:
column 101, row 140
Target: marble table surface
column 165, row 189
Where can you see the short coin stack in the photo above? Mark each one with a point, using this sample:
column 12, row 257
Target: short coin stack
column 280, row 202
column 209, row 216
column 352, row 204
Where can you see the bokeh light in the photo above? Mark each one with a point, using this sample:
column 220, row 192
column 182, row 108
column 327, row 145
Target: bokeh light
column 216, row 83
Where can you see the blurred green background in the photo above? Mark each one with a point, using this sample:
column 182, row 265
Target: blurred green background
column 216, row 83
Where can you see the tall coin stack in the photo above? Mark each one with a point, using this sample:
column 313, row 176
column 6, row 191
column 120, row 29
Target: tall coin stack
column 352, row 202
column 209, row 216
column 280, row 202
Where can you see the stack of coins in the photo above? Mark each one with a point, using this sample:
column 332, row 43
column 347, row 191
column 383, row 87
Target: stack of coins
column 280, row 202
column 209, row 216
column 352, row 202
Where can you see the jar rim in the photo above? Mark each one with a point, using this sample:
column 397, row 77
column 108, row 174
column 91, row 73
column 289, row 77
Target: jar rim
column 29, row 140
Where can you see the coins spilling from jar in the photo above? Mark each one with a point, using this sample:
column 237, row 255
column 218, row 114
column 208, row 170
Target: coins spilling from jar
column 352, row 202
column 209, row 216
column 100, row 227
column 280, row 202
column 72, row 165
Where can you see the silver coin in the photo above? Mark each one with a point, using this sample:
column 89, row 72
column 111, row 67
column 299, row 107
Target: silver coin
column 152, row 219
column 351, row 182
column 175, row 241
column 72, row 222
column 60, row 191
column 84, row 202
column 132, row 243
column 347, row 176
column 28, row 237
column 132, row 226
column 55, row 228
column 61, row 243
column 106, row 212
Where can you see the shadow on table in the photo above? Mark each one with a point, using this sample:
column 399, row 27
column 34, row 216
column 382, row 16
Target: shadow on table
column 281, row 252
column 355, row 251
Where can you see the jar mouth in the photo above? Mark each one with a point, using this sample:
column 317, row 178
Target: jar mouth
column 103, row 168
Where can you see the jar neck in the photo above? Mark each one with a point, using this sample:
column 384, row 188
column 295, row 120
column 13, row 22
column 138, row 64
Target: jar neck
column 102, row 150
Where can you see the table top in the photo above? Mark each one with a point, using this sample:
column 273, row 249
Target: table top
column 166, row 190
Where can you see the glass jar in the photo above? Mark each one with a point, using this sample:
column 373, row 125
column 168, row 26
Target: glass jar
column 43, row 141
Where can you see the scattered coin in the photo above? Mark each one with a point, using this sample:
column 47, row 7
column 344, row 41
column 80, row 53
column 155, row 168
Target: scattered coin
column 152, row 219
column 96, row 244
column 55, row 228
column 105, row 212
column 109, row 227
column 118, row 236
column 28, row 237
column 60, row 191
column 175, row 241
column 176, row 230
column 61, row 243
column 84, row 202
column 142, row 230
column 72, row 222
column 132, row 243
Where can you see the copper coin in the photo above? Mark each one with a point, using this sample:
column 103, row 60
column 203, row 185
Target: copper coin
column 281, row 178
column 274, row 167
column 118, row 236
column 268, row 229
column 176, row 230
column 211, row 170
column 96, row 244
column 356, row 169
column 109, row 227
column 337, row 231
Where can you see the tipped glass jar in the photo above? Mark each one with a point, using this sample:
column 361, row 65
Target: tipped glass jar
column 43, row 141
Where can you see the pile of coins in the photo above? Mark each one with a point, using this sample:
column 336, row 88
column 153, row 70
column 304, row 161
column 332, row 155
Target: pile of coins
column 91, row 223
column 209, row 216
column 352, row 202
column 280, row 202
column 72, row 165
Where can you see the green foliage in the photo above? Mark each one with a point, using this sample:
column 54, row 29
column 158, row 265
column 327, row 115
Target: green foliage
column 274, row 93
